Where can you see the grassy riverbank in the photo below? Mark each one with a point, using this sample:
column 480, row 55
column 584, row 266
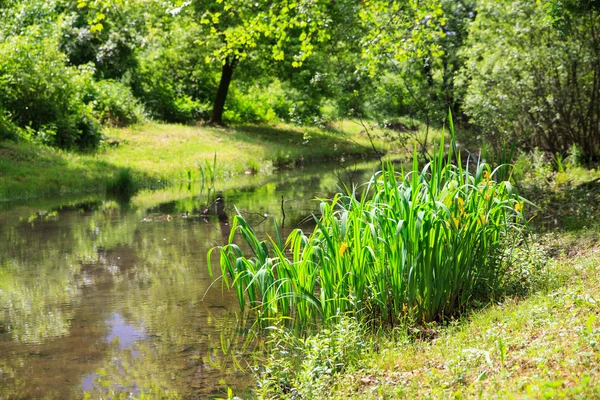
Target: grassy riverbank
column 543, row 345
column 538, row 339
column 163, row 154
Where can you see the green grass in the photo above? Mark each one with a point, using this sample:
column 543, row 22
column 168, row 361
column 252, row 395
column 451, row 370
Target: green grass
column 412, row 246
column 161, row 155
column 123, row 185
column 29, row 171
column 544, row 346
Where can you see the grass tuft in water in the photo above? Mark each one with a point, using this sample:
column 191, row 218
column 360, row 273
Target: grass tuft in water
column 123, row 184
column 404, row 247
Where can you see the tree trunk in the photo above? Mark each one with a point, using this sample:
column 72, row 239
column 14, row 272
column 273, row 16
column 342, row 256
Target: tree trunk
column 219, row 105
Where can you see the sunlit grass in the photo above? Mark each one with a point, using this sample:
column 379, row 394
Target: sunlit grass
column 544, row 346
column 161, row 155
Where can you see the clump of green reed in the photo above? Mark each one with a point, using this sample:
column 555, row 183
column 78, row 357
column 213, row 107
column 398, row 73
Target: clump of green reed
column 208, row 174
column 123, row 184
column 412, row 246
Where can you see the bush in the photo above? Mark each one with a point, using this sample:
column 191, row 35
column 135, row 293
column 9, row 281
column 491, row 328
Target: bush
column 112, row 50
column 258, row 104
column 7, row 129
column 44, row 96
column 172, row 79
column 304, row 368
column 525, row 269
column 114, row 104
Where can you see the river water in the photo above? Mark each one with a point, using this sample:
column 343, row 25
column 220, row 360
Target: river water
column 103, row 298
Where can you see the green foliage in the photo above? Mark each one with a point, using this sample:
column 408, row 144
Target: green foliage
column 567, row 195
column 401, row 30
column 28, row 17
column 404, row 247
column 420, row 81
column 123, row 184
column 372, row 59
column 484, row 356
column 233, row 28
column 172, row 79
column 7, row 129
column 526, row 269
column 533, row 166
column 114, row 104
column 259, row 104
column 304, row 368
column 526, row 81
column 113, row 48
column 43, row 95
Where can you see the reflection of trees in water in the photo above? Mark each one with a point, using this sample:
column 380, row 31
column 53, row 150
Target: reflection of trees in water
column 65, row 272
column 193, row 369
column 49, row 369
column 41, row 273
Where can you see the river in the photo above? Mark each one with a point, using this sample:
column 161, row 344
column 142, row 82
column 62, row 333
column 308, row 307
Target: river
column 102, row 297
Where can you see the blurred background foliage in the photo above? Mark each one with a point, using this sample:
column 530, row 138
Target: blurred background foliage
column 512, row 73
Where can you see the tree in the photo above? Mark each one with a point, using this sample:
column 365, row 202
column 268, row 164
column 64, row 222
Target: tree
column 532, row 75
column 405, row 39
column 235, row 29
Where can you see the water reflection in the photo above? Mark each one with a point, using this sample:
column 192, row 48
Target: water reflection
column 108, row 298
column 121, row 333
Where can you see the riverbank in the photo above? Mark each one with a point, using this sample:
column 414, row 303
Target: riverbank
column 538, row 339
column 161, row 155
column 543, row 345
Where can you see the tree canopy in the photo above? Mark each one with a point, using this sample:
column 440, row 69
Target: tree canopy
column 515, row 72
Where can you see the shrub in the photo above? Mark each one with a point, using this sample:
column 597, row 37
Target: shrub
column 526, row 269
column 404, row 247
column 300, row 368
column 257, row 103
column 123, row 184
column 114, row 104
column 113, row 49
column 172, row 79
column 7, row 129
column 41, row 93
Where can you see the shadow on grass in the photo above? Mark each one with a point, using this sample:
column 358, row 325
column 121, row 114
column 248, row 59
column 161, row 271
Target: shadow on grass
column 568, row 208
column 28, row 171
column 296, row 146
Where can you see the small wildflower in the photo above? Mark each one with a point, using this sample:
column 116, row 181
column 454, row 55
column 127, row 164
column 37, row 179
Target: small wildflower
column 518, row 206
column 343, row 248
column 486, row 175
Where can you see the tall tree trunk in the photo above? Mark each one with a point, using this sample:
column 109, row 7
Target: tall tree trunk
column 219, row 105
